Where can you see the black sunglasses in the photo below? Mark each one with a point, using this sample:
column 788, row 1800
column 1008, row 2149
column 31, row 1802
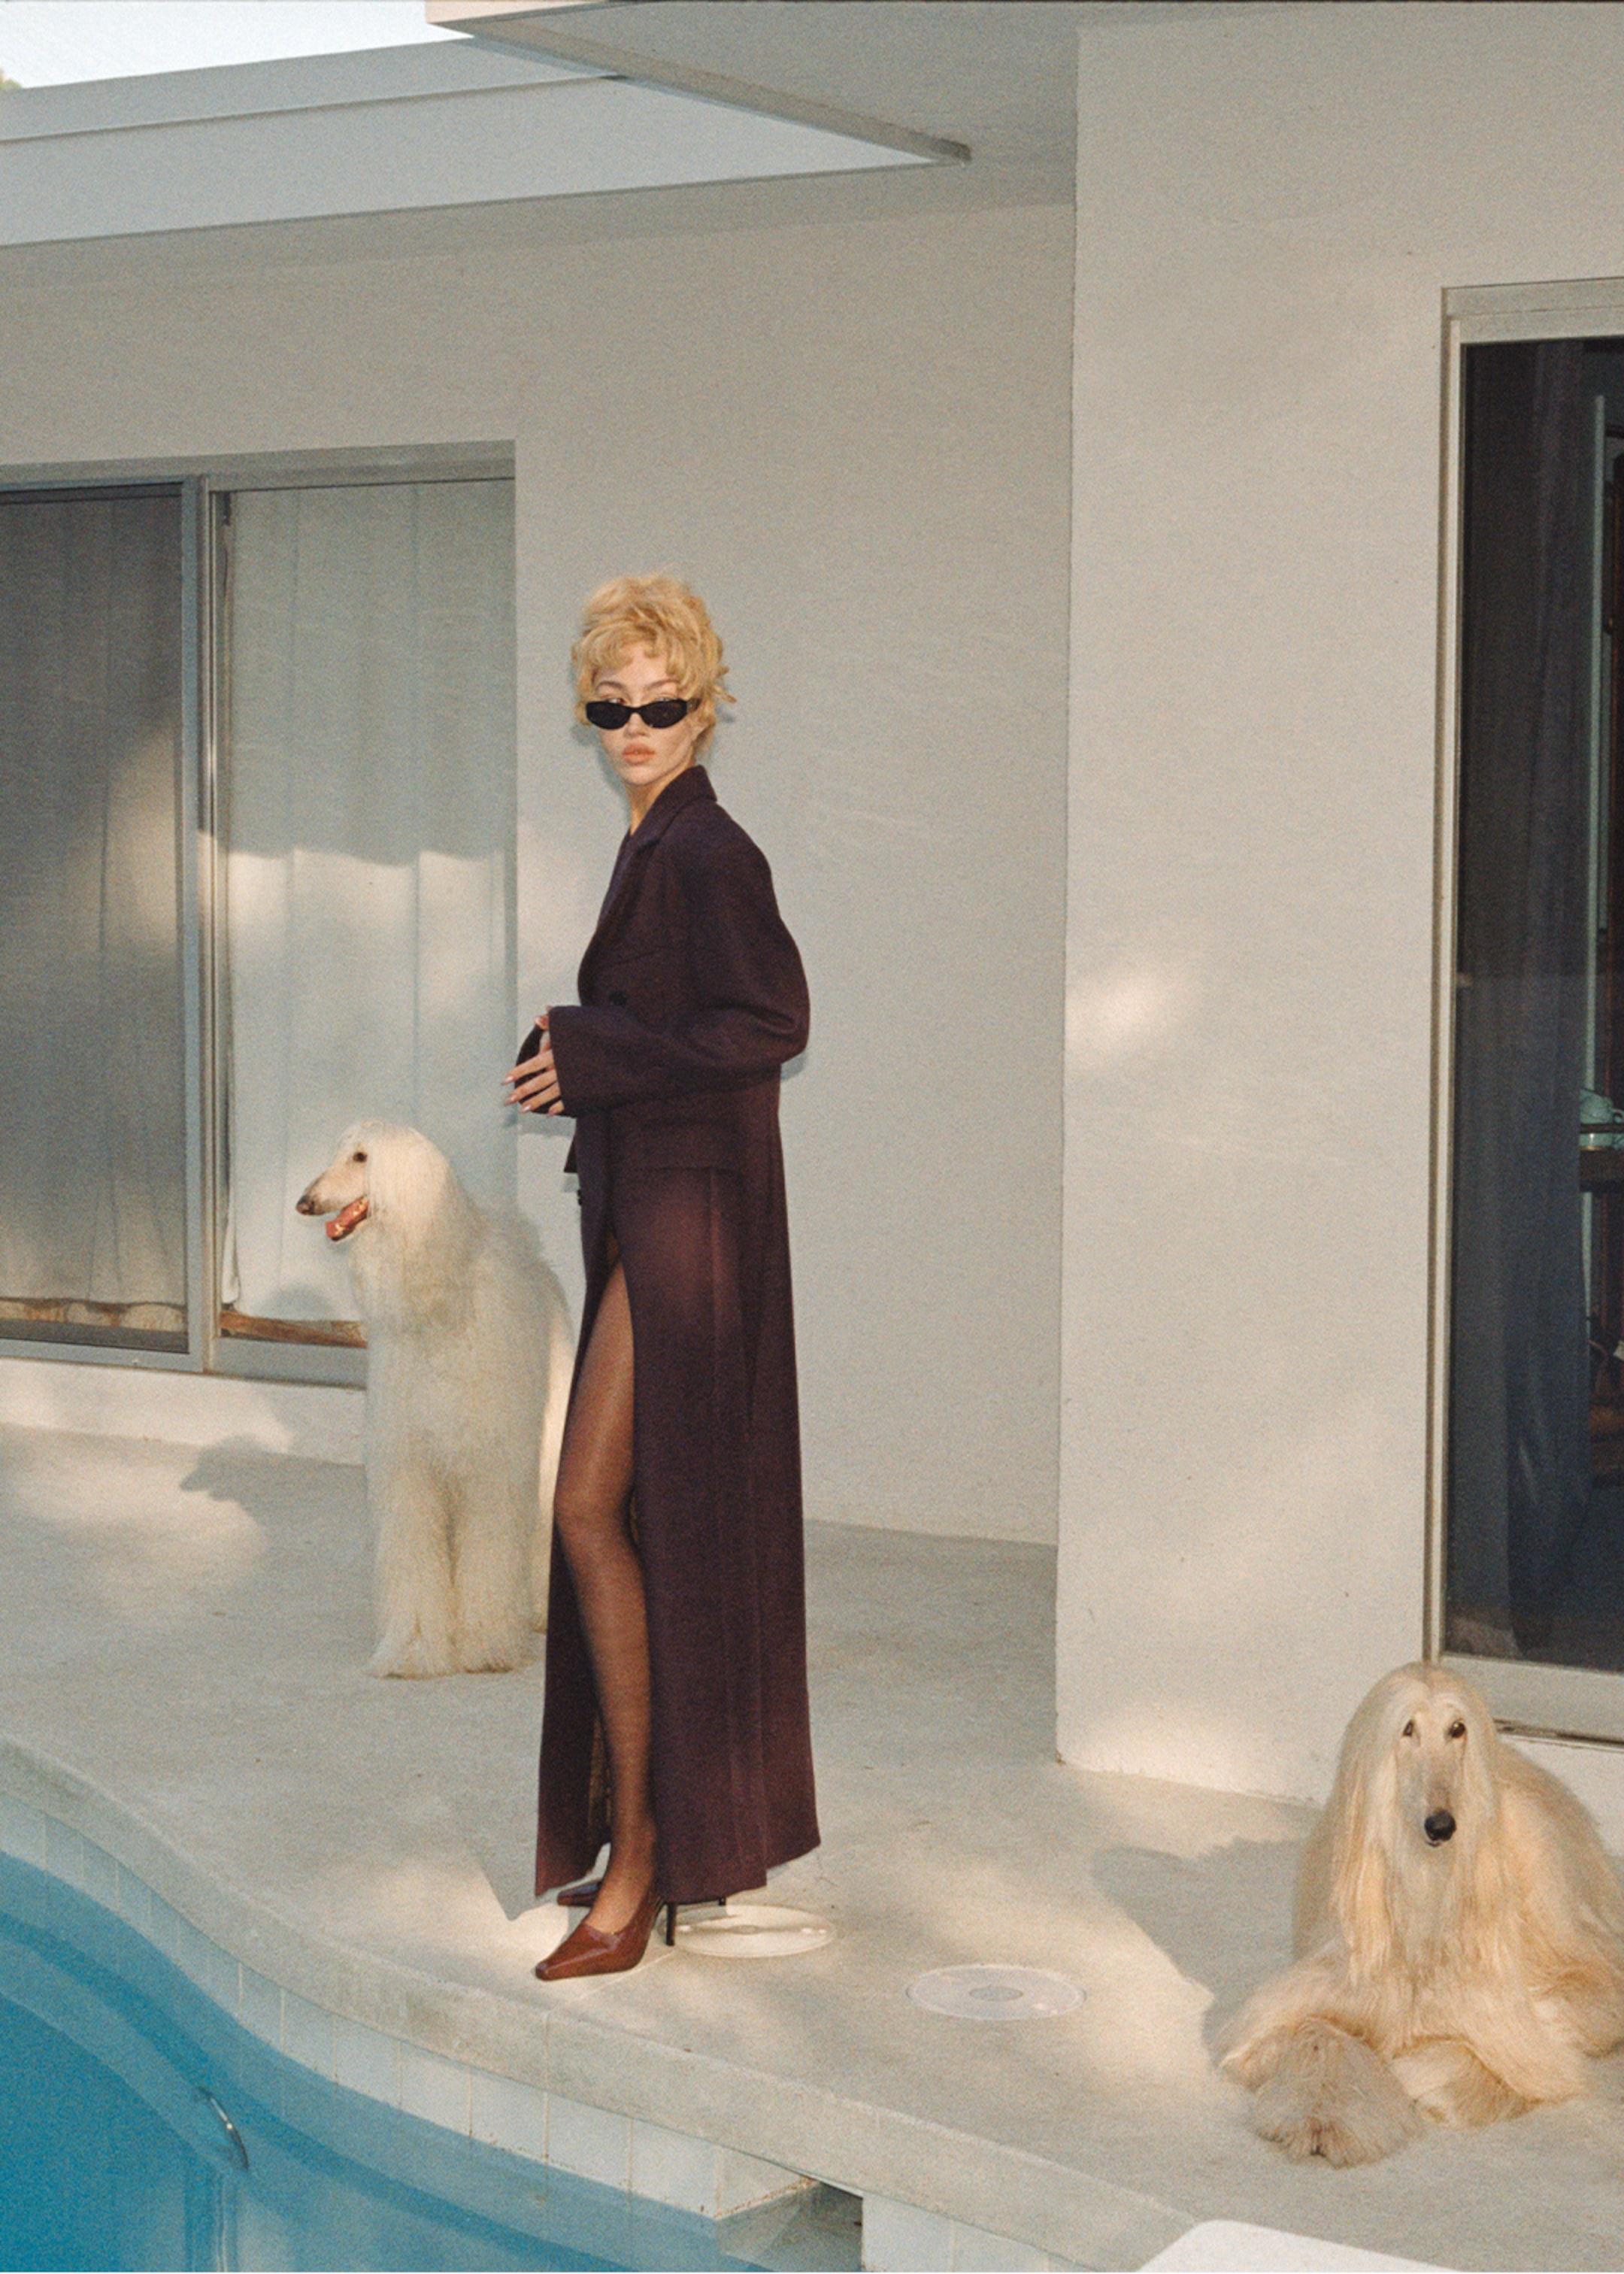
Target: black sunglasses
column 665, row 712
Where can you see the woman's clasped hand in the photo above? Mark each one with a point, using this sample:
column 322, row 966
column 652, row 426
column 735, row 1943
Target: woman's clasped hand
column 532, row 1085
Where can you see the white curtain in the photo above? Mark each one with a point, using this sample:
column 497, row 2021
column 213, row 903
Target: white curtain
column 367, row 826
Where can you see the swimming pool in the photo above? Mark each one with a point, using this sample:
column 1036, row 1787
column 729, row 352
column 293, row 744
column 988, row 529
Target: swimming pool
column 141, row 2126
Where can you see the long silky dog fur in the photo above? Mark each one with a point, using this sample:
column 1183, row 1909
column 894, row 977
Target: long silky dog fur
column 467, row 1369
column 1438, row 1980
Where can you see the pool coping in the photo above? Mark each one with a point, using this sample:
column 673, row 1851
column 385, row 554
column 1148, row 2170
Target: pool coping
column 556, row 2087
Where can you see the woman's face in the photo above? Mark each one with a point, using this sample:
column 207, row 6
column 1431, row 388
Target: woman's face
column 645, row 758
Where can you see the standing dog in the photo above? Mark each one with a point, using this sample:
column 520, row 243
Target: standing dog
column 1459, row 1932
column 466, row 1374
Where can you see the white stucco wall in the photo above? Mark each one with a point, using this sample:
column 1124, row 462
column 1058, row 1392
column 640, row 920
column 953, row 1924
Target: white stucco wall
column 844, row 417
column 1271, row 202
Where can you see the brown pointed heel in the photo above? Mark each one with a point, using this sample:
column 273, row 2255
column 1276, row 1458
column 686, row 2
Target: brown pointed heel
column 584, row 1894
column 589, row 1951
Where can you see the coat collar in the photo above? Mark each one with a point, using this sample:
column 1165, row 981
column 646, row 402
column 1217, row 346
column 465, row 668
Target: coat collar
column 689, row 787
column 693, row 782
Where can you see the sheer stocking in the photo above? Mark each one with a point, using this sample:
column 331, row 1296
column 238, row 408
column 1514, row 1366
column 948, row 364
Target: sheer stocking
column 591, row 1507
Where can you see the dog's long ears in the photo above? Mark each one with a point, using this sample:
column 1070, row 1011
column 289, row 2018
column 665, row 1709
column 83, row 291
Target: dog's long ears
column 1362, row 1806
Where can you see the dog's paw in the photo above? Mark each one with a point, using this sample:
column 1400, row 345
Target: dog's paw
column 1450, row 2085
column 489, row 1658
column 1329, row 2095
column 413, row 1659
column 492, row 1644
column 1306, row 2132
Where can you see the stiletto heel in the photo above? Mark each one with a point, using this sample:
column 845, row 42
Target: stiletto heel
column 671, row 1924
column 584, row 1894
column 589, row 1951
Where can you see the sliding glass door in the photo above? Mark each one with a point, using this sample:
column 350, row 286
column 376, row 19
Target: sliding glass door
column 256, row 851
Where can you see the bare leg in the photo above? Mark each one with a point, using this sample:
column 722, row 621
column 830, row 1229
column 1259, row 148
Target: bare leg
column 590, row 1508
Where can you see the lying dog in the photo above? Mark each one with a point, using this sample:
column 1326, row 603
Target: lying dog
column 1460, row 1938
column 468, row 1367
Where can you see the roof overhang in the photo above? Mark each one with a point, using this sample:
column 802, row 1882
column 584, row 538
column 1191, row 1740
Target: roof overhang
column 394, row 130
column 571, row 31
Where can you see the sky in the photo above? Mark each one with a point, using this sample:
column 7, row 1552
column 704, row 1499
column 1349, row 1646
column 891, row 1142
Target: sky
column 47, row 42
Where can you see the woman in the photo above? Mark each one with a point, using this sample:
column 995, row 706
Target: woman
column 675, row 1717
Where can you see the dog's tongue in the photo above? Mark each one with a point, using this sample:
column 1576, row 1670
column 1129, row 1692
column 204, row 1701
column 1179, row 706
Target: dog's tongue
column 347, row 1219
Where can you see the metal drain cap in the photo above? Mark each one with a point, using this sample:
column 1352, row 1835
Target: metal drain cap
column 995, row 1993
column 753, row 1930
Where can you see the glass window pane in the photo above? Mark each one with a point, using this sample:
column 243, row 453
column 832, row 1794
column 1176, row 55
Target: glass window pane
column 367, row 836
column 93, row 1154
column 1534, row 1536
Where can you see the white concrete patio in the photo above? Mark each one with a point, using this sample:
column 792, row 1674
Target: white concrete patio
column 345, row 1863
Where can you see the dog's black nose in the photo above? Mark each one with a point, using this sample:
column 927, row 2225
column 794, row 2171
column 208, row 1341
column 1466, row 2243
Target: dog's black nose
column 1440, row 1826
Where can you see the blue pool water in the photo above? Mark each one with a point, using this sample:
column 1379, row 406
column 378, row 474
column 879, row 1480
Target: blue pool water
column 140, row 2127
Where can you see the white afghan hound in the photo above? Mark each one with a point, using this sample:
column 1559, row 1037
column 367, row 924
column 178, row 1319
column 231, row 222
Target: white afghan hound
column 1459, row 1937
column 467, row 1369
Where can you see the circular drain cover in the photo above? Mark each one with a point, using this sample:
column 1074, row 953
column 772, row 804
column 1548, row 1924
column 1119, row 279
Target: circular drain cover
column 995, row 1993
column 753, row 1930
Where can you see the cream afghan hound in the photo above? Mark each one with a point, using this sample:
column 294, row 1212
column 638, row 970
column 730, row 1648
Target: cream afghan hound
column 467, row 1368
column 1459, row 1937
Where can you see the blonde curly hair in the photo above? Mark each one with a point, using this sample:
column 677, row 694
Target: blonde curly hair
column 663, row 614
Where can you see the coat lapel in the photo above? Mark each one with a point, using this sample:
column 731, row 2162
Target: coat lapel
column 691, row 784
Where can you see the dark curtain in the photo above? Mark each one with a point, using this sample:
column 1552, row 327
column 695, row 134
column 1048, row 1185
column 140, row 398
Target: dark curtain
column 93, row 1141
column 1519, row 1451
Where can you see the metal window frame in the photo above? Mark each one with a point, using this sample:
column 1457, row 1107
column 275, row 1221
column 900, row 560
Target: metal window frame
column 1575, row 1704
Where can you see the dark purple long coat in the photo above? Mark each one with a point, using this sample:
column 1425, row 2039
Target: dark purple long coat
column 692, row 997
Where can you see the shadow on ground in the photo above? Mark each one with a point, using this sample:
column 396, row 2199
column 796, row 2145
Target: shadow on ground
column 1223, row 1918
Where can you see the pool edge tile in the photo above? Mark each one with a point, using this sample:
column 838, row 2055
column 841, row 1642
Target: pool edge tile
column 592, row 2142
column 673, row 2167
column 193, row 1953
column 163, row 1929
column 65, row 1852
column 506, row 2113
column 224, row 1981
column 435, row 2088
column 22, row 1831
column 366, row 2060
column 307, row 2034
column 135, row 1901
column 898, row 2238
column 261, row 2006
column 100, row 1879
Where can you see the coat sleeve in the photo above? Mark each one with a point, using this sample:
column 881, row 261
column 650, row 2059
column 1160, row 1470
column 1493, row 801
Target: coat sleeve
column 752, row 1011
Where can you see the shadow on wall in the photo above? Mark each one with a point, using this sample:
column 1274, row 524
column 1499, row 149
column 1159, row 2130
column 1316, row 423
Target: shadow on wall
column 1224, row 1918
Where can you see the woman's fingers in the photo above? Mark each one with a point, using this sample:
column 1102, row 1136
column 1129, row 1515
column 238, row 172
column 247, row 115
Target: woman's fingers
column 533, row 1084
column 538, row 1089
